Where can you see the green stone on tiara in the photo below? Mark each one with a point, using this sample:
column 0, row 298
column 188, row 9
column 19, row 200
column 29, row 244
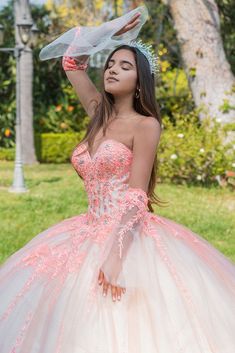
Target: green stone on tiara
column 149, row 53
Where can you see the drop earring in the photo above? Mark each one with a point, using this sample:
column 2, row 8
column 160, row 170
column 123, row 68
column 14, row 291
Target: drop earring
column 137, row 94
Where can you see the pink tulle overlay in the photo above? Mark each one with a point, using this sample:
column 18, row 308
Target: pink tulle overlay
column 180, row 290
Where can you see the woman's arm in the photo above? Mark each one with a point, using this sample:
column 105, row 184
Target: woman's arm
column 133, row 206
column 86, row 91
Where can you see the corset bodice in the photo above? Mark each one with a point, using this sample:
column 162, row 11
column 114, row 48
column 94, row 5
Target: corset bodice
column 105, row 175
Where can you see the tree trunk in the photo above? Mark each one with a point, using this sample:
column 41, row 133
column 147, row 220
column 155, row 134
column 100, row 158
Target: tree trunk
column 21, row 8
column 208, row 71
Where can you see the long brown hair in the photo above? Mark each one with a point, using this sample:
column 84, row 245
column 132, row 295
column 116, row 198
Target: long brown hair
column 145, row 104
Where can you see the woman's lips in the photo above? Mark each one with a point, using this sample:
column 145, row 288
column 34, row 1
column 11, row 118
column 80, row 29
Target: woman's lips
column 111, row 79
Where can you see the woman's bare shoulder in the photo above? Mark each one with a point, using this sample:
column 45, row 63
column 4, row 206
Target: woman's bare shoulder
column 143, row 120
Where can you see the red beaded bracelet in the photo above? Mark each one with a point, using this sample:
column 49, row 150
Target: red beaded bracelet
column 71, row 64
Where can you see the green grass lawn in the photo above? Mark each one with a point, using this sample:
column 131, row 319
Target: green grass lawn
column 56, row 192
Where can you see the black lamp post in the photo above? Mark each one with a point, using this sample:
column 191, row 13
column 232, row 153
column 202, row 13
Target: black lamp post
column 28, row 34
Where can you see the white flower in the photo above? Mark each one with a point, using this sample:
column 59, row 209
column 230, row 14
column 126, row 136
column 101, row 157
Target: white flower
column 174, row 156
column 180, row 135
column 233, row 165
column 218, row 120
column 199, row 177
column 202, row 150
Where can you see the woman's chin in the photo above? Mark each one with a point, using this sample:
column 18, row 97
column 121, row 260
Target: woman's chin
column 112, row 91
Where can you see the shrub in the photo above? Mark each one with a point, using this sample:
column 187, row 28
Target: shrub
column 56, row 148
column 7, row 154
column 173, row 94
column 193, row 151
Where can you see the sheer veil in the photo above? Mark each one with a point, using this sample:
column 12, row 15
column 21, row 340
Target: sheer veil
column 83, row 40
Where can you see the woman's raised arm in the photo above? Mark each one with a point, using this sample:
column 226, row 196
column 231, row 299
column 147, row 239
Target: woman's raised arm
column 86, row 91
column 75, row 68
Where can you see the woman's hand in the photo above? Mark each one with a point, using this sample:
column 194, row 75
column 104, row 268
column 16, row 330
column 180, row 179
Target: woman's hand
column 132, row 23
column 116, row 291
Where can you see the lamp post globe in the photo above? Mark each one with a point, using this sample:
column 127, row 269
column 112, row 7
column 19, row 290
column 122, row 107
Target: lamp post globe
column 34, row 35
column 24, row 28
column 1, row 34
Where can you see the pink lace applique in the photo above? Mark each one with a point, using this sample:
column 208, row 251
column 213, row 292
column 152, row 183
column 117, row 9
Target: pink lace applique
column 25, row 288
column 57, row 262
column 163, row 253
column 135, row 199
column 22, row 333
column 54, row 261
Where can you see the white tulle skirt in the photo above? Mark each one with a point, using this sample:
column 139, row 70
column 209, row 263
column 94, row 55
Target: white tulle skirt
column 180, row 294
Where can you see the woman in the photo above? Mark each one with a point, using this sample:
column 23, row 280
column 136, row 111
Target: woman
column 170, row 290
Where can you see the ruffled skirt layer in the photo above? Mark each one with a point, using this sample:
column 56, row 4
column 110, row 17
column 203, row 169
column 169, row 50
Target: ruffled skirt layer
column 180, row 294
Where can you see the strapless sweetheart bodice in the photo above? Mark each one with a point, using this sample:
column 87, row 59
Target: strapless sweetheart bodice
column 105, row 175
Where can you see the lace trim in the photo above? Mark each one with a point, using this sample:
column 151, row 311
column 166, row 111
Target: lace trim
column 135, row 198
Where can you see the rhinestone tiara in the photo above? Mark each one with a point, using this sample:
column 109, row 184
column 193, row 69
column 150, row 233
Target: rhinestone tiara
column 149, row 53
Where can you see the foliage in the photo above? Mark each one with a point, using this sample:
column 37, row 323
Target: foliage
column 7, row 130
column 65, row 14
column 227, row 20
column 173, row 92
column 191, row 151
column 56, row 148
column 7, row 81
column 66, row 116
column 160, row 32
column 7, row 154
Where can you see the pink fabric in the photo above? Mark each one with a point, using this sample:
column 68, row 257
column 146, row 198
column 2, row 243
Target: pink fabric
column 180, row 290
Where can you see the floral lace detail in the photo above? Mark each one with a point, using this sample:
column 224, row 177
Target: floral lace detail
column 22, row 333
column 112, row 158
column 55, row 262
column 130, row 217
column 136, row 199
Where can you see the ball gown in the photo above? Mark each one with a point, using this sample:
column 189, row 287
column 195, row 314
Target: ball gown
column 180, row 290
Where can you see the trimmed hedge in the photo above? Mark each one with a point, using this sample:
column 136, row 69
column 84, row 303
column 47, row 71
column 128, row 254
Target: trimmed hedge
column 56, row 148
column 50, row 147
column 7, row 154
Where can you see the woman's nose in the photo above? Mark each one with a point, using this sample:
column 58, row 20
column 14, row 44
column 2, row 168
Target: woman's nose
column 113, row 71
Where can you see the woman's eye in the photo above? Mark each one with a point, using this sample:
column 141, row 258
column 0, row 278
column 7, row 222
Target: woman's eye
column 124, row 68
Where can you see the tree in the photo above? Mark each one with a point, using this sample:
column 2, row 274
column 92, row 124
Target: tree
column 227, row 20
column 209, row 73
column 21, row 8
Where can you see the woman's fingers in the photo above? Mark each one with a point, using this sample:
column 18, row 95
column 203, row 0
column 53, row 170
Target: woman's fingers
column 119, row 293
column 116, row 291
column 137, row 15
column 105, row 288
column 101, row 277
column 132, row 23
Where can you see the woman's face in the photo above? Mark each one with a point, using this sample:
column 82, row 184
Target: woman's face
column 120, row 77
